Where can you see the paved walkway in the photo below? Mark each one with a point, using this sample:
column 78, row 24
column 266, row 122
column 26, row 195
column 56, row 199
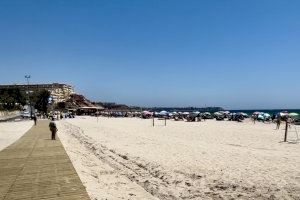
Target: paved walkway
column 36, row 167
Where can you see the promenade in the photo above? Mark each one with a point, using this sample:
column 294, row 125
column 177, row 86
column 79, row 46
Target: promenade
column 36, row 167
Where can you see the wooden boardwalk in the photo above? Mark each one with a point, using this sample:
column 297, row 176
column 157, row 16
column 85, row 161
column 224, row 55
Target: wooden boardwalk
column 36, row 167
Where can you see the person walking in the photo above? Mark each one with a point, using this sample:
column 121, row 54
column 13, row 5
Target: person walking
column 34, row 119
column 53, row 129
column 278, row 122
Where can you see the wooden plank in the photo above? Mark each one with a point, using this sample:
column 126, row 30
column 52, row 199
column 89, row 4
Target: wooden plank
column 36, row 167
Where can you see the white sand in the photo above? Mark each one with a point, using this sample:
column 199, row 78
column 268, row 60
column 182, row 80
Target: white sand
column 12, row 131
column 200, row 160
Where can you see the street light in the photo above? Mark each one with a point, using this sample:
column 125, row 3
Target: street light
column 28, row 96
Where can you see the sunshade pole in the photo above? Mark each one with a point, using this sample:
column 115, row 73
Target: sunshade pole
column 153, row 121
column 286, row 130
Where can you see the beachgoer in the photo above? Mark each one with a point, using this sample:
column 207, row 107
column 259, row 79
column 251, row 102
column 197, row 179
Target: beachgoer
column 34, row 119
column 278, row 122
column 273, row 117
column 289, row 121
column 53, row 129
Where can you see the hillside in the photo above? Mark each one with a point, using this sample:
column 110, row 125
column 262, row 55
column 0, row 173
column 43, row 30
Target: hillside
column 76, row 101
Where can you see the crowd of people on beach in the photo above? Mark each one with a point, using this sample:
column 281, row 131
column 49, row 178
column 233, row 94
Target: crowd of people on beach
column 198, row 116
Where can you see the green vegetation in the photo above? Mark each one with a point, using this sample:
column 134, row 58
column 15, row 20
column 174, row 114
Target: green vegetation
column 60, row 106
column 11, row 99
column 40, row 100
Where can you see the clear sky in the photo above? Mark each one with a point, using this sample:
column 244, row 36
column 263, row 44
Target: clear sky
column 238, row 54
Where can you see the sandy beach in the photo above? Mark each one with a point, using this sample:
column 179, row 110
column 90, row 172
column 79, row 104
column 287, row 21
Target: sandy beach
column 12, row 131
column 127, row 158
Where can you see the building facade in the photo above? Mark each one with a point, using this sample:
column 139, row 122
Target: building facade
column 59, row 92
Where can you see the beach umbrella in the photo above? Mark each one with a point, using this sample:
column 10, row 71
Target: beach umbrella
column 244, row 114
column 174, row 113
column 293, row 114
column 283, row 114
column 218, row 114
column 147, row 112
column 224, row 112
column 260, row 116
column 163, row 112
column 186, row 113
column 266, row 115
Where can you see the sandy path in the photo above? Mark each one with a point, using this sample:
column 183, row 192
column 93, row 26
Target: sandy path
column 12, row 131
column 202, row 160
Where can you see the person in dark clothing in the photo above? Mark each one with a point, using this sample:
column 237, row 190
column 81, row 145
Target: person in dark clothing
column 273, row 117
column 53, row 129
column 278, row 122
column 34, row 119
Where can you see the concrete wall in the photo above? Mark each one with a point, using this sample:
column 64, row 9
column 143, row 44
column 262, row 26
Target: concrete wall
column 7, row 114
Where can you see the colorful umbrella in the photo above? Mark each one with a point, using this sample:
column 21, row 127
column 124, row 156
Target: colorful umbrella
column 293, row 114
column 284, row 114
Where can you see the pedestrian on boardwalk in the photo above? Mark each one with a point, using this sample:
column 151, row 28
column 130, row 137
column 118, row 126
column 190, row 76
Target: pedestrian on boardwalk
column 34, row 119
column 53, row 129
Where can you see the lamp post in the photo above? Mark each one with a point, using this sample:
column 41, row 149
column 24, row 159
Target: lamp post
column 28, row 95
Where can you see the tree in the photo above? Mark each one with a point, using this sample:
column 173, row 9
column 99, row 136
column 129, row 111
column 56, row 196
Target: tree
column 61, row 105
column 11, row 98
column 40, row 100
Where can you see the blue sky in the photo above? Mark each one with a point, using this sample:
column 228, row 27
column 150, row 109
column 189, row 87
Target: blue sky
column 230, row 53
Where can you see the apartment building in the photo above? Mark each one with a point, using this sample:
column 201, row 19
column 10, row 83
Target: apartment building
column 59, row 92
